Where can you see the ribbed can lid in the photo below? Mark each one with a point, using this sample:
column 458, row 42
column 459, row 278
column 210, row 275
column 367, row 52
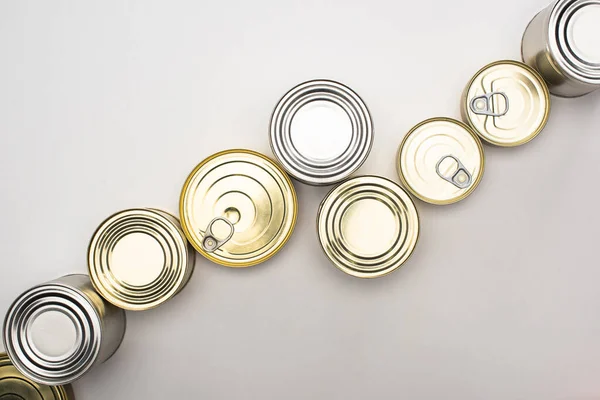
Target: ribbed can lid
column 16, row 386
column 507, row 103
column 52, row 333
column 321, row 132
column 139, row 258
column 368, row 226
column 440, row 161
column 238, row 208
column 574, row 38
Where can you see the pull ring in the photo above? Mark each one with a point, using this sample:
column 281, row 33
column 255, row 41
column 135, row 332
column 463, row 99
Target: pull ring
column 483, row 105
column 210, row 243
column 461, row 178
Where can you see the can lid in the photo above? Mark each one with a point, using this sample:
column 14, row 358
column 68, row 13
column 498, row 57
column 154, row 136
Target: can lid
column 507, row 103
column 368, row 226
column 16, row 386
column 139, row 258
column 52, row 333
column 238, row 208
column 574, row 32
column 321, row 132
column 440, row 161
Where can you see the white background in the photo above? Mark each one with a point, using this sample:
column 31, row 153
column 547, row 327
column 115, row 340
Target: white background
column 109, row 104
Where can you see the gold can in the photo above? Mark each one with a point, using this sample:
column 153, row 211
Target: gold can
column 368, row 226
column 440, row 161
column 14, row 385
column 507, row 103
column 238, row 208
column 140, row 258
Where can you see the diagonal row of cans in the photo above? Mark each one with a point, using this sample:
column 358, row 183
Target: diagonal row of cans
column 238, row 207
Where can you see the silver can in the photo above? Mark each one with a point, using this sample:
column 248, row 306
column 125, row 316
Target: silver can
column 321, row 132
column 562, row 44
column 56, row 332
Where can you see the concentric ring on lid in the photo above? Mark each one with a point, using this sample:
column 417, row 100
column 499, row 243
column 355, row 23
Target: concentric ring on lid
column 34, row 328
column 574, row 33
column 440, row 161
column 368, row 226
column 139, row 258
column 507, row 103
column 321, row 132
column 238, row 208
column 14, row 385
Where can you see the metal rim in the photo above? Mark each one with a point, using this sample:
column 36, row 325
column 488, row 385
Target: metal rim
column 187, row 228
column 308, row 170
column 568, row 60
column 49, row 370
column 545, row 90
column 175, row 272
column 393, row 196
column 466, row 193
column 61, row 392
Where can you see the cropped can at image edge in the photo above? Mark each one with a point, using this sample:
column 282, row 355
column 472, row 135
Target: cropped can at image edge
column 140, row 258
column 368, row 226
column 321, row 132
column 16, row 386
column 56, row 332
column 441, row 161
column 238, row 208
column 562, row 42
column 507, row 103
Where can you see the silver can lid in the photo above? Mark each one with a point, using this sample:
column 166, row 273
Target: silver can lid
column 52, row 334
column 574, row 38
column 321, row 132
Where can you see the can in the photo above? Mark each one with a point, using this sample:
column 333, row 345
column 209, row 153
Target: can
column 139, row 258
column 58, row 331
column 507, row 103
column 321, row 132
column 15, row 386
column 561, row 43
column 440, row 161
column 238, row 208
column 368, row 226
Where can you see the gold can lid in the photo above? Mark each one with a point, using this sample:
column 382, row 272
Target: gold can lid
column 15, row 386
column 440, row 161
column 139, row 258
column 368, row 226
column 507, row 103
column 238, row 208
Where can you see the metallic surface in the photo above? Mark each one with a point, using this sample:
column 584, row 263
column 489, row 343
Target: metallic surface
column 140, row 258
column 515, row 99
column 321, row 132
column 427, row 144
column 251, row 192
column 99, row 326
column 562, row 43
column 368, row 226
column 15, row 386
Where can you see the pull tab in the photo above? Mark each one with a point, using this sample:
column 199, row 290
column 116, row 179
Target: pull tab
column 483, row 105
column 461, row 178
column 210, row 243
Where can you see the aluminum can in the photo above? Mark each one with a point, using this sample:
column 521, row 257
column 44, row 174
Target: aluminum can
column 561, row 43
column 238, row 208
column 321, row 132
column 440, row 161
column 368, row 226
column 56, row 332
column 140, row 258
column 506, row 103
column 15, row 386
